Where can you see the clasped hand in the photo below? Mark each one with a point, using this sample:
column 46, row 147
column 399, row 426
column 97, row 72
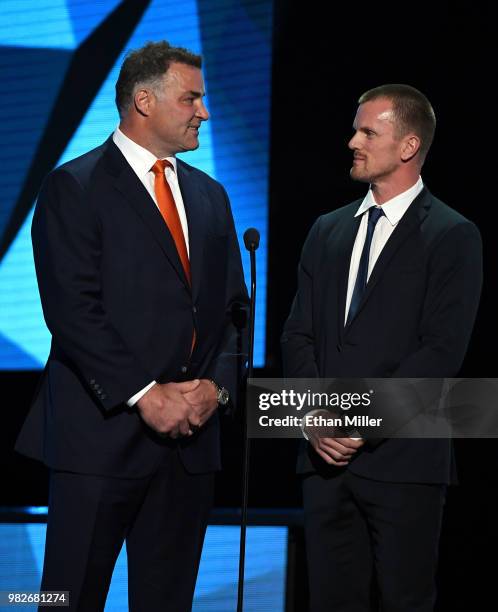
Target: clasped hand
column 331, row 444
column 177, row 409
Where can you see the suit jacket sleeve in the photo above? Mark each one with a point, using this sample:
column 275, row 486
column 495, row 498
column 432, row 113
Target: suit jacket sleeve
column 229, row 365
column 67, row 249
column 298, row 338
column 450, row 307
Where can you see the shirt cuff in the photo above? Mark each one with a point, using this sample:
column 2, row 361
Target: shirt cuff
column 133, row 400
column 354, row 434
column 303, row 426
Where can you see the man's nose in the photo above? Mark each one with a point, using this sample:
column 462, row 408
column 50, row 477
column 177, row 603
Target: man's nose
column 353, row 143
column 202, row 111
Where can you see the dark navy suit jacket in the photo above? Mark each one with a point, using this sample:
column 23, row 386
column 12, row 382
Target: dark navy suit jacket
column 122, row 313
column 414, row 321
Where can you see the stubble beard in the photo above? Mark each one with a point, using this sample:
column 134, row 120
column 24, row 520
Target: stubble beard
column 359, row 176
column 364, row 176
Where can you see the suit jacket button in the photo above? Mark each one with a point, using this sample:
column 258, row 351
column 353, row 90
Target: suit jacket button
column 184, row 369
column 339, row 348
column 103, row 396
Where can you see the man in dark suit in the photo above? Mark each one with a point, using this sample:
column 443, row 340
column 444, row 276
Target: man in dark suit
column 142, row 288
column 388, row 286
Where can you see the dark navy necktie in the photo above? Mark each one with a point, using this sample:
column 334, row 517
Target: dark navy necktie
column 374, row 214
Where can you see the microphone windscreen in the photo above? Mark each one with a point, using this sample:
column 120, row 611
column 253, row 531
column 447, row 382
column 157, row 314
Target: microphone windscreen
column 251, row 239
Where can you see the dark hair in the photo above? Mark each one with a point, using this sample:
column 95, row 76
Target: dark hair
column 412, row 112
column 147, row 65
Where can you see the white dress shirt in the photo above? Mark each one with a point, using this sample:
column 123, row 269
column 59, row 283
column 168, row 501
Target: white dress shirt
column 141, row 160
column 394, row 210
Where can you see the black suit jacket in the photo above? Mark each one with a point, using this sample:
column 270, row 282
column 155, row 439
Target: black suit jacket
column 414, row 321
column 122, row 313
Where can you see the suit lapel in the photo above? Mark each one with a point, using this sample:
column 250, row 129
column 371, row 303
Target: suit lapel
column 410, row 221
column 192, row 199
column 347, row 239
column 135, row 194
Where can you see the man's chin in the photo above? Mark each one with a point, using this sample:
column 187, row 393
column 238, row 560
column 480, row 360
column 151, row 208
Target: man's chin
column 358, row 176
column 191, row 146
column 194, row 144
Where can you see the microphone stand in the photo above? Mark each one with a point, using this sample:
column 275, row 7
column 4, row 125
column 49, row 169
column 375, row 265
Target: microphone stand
column 251, row 240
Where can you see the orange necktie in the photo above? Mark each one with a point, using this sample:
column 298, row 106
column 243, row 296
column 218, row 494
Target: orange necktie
column 169, row 211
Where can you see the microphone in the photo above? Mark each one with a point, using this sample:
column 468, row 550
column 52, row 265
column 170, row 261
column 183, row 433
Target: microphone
column 251, row 239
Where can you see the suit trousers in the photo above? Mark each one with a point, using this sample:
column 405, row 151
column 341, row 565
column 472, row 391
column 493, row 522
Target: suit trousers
column 360, row 530
column 162, row 518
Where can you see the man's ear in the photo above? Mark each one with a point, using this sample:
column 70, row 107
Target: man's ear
column 143, row 100
column 410, row 147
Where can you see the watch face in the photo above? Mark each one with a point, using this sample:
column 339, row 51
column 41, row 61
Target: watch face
column 223, row 397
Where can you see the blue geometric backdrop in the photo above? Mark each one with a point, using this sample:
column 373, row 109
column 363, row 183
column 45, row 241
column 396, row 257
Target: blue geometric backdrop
column 38, row 41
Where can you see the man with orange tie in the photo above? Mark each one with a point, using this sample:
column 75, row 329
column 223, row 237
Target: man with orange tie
column 142, row 288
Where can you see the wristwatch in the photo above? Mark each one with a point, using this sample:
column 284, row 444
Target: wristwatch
column 222, row 394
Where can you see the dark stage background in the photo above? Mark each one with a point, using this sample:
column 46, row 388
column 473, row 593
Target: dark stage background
column 320, row 67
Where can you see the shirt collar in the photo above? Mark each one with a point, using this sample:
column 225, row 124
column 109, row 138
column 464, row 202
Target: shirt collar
column 139, row 158
column 396, row 207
